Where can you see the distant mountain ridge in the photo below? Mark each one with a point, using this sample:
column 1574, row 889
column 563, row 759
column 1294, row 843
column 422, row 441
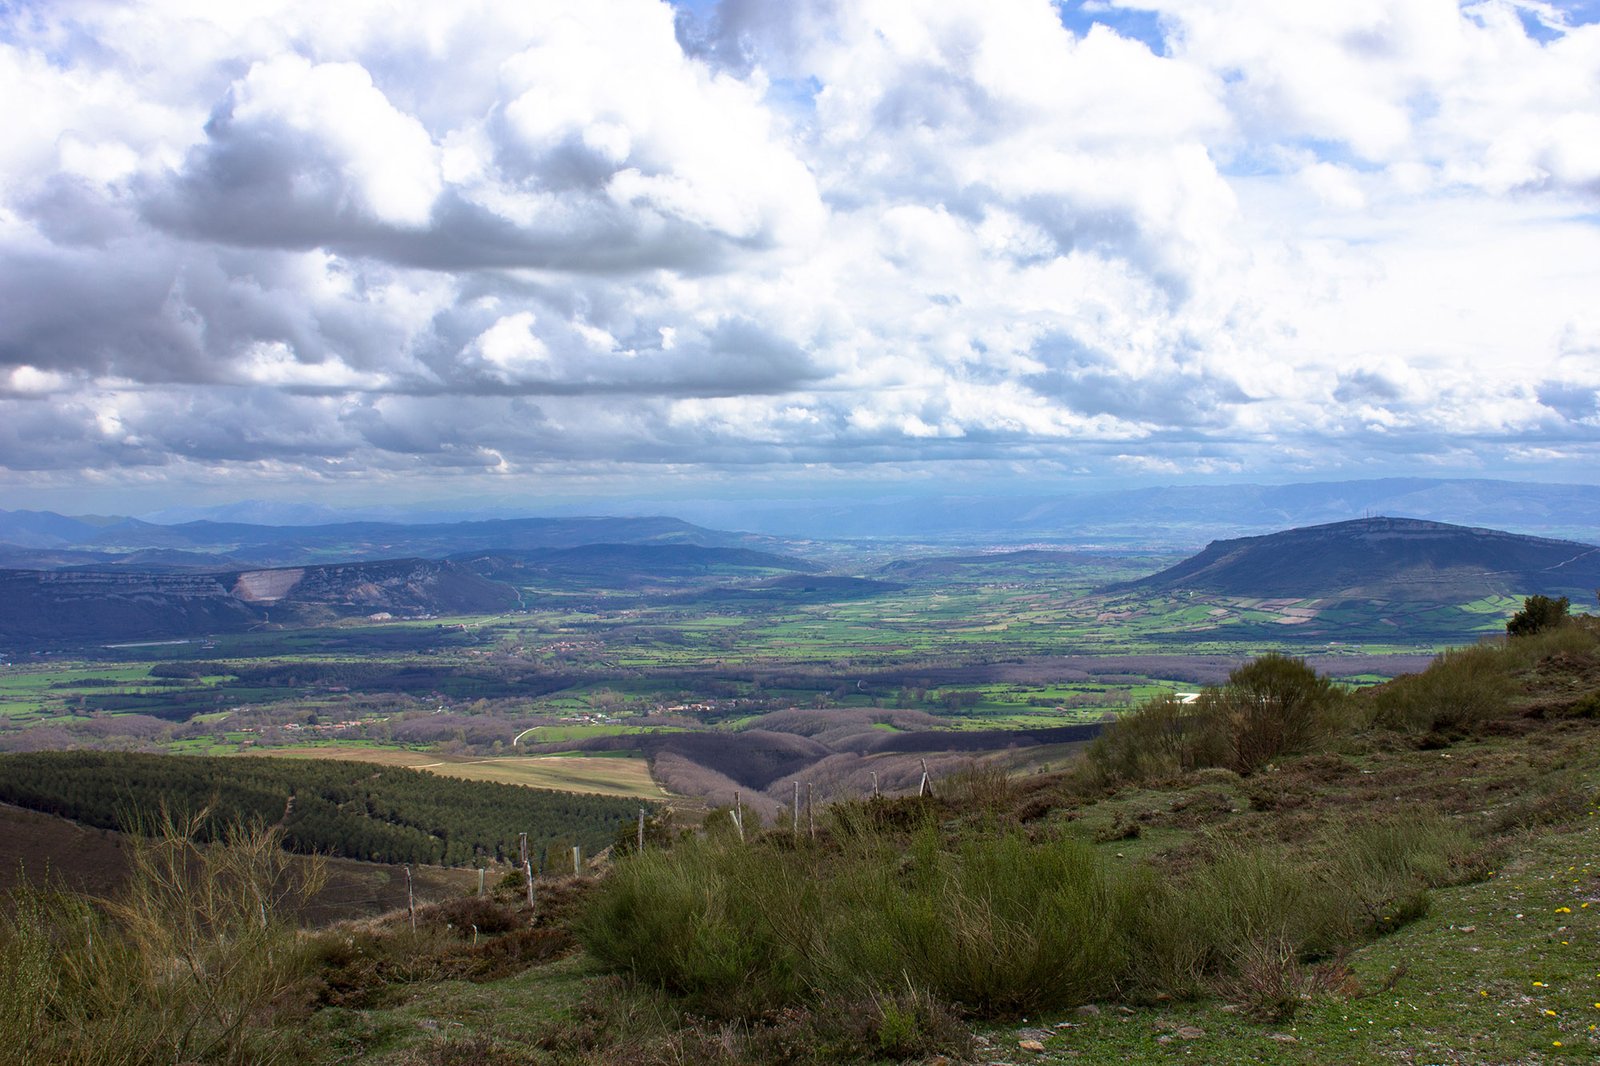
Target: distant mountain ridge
column 259, row 545
column 1170, row 516
column 1386, row 558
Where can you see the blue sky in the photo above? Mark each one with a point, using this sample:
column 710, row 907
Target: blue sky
column 612, row 248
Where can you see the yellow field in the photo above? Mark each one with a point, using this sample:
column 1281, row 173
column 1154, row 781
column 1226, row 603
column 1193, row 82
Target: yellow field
column 564, row 773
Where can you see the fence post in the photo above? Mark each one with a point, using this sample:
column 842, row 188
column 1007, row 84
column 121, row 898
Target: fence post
column 577, row 859
column 527, row 876
column 481, row 872
column 641, row 828
column 811, row 813
column 794, row 816
column 924, row 787
column 874, row 774
column 411, row 901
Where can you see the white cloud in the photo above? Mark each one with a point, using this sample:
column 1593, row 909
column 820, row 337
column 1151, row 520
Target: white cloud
column 508, row 238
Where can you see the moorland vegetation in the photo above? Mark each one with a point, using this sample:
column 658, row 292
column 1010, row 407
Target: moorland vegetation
column 1248, row 849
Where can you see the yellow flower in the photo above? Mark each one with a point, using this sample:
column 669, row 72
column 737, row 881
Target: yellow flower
column 1550, row 1013
column 1540, row 984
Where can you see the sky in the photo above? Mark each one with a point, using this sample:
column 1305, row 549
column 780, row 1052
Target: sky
column 539, row 250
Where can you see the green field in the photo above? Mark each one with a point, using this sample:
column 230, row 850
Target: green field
column 1003, row 645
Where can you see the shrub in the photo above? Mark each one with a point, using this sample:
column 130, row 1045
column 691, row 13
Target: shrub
column 1268, row 708
column 994, row 924
column 710, row 919
column 1538, row 613
column 1461, row 688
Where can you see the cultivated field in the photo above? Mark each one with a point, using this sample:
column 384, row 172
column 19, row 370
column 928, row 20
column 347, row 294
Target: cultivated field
column 617, row 774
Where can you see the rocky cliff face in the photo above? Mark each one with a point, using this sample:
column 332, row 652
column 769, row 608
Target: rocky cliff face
column 45, row 606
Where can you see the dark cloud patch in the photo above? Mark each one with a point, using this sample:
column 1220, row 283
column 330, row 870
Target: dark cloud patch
column 69, row 210
column 1091, row 383
column 271, row 193
column 1366, row 386
column 1575, row 403
column 103, row 313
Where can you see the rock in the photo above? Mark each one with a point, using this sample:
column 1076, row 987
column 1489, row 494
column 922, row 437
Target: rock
column 1285, row 1038
column 1189, row 1032
column 1088, row 1010
column 1031, row 1045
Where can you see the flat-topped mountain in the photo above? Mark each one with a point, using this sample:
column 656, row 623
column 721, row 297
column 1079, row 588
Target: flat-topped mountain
column 1387, row 558
column 113, row 604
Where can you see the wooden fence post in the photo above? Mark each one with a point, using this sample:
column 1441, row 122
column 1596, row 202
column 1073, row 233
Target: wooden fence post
column 874, row 774
column 795, row 813
column 411, row 901
column 481, row 872
column 811, row 813
column 527, row 876
column 577, row 859
column 641, row 828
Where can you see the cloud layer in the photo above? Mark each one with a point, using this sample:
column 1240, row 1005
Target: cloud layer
column 494, row 240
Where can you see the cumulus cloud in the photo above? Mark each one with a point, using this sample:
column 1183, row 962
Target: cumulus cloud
column 1157, row 237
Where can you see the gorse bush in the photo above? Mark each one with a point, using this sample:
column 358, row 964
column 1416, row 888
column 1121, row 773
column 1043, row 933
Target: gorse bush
column 996, row 924
column 1461, row 688
column 1268, row 708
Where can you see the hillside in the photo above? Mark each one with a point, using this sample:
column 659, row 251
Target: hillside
column 38, row 606
column 1413, row 884
column 1386, row 558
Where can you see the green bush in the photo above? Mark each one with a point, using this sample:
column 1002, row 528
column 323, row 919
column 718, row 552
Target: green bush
column 1271, row 707
column 1461, row 688
column 1538, row 614
column 994, row 923
column 709, row 919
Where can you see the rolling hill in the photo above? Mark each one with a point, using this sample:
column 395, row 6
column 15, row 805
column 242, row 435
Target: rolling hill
column 1386, row 558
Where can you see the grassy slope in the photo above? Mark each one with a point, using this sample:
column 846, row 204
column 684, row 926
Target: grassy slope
column 1473, row 981
column 1497, row 972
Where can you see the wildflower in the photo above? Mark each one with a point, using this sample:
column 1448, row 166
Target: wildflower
column 1550, row 1013
column 1563, row 910
column 1540, row 984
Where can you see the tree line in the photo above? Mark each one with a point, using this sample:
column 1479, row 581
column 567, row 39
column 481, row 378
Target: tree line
column 351, row 809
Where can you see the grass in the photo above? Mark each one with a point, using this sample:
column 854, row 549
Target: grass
column 1476, row 977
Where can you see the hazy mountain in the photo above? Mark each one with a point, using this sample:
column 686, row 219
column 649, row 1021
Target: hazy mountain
column 1387, row 558
column 265, row 545
column 1170, row 516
